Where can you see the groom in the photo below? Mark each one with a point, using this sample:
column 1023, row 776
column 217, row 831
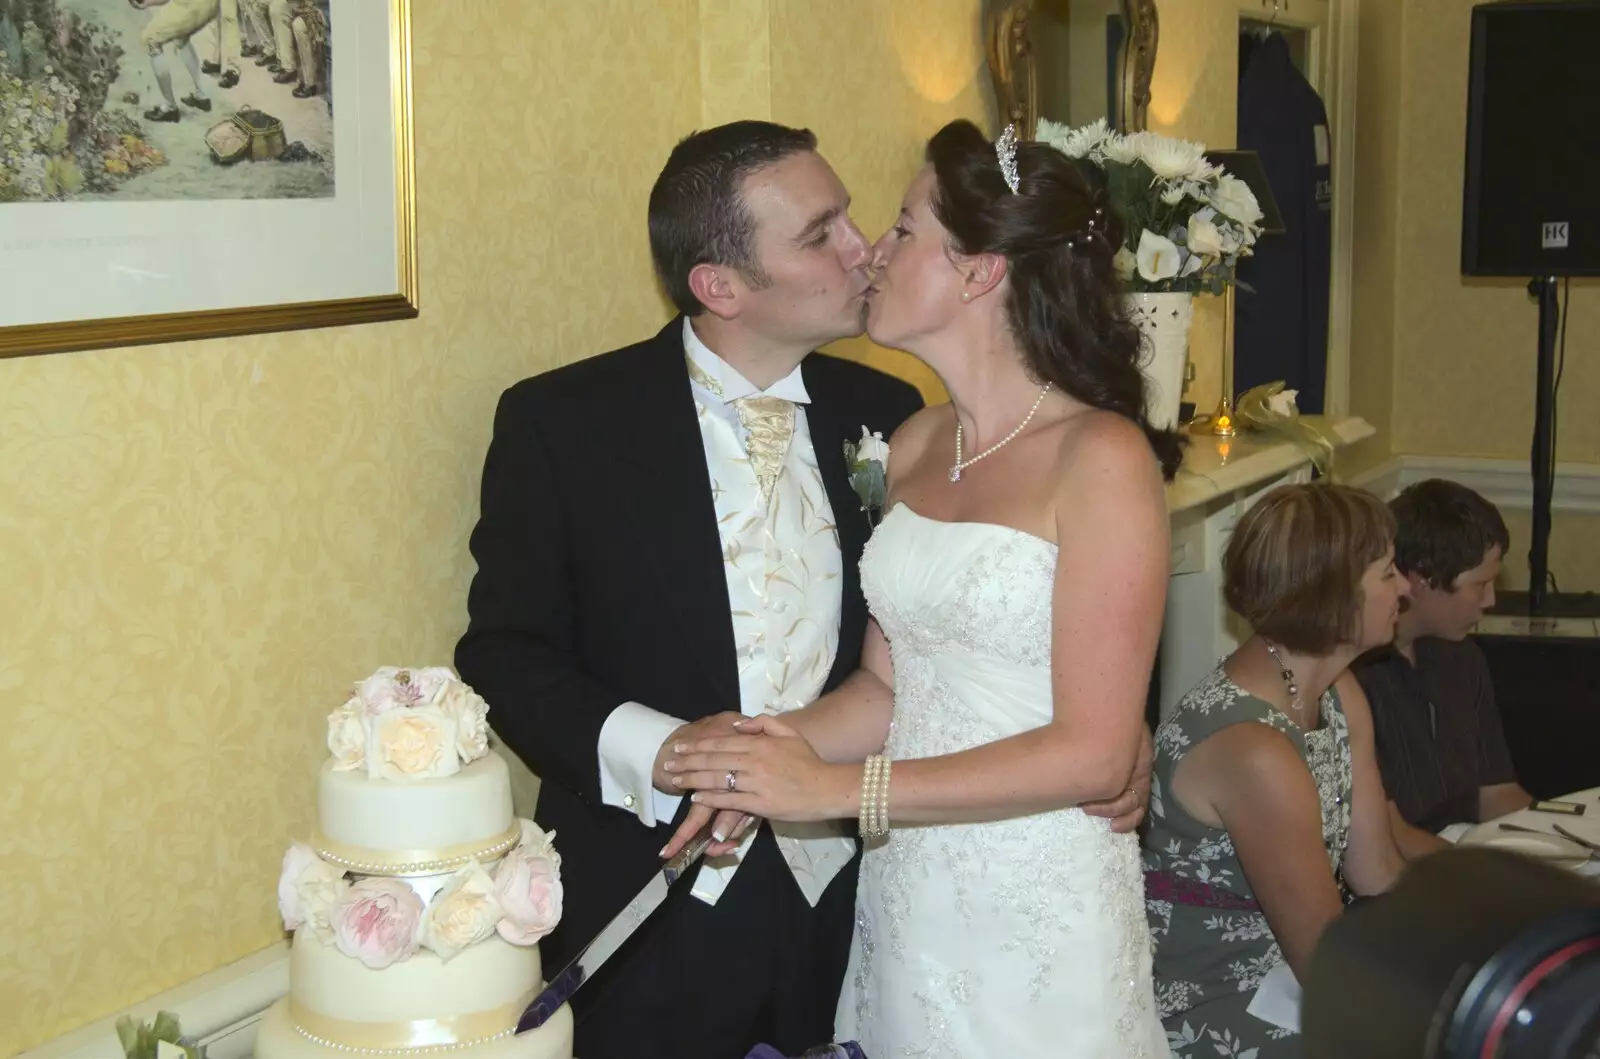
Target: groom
column 668, row 541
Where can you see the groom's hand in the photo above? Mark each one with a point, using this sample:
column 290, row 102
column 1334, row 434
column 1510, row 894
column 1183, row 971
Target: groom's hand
column 1126, row 810
column 718, row 724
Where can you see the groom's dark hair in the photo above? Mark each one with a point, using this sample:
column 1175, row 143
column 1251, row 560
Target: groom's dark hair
column 697, row 210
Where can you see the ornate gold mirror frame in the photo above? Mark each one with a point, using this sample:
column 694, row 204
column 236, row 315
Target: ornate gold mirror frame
column 1008, row 28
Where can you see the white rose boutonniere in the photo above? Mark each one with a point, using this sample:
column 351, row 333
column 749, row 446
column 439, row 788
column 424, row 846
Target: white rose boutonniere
column 868, row 461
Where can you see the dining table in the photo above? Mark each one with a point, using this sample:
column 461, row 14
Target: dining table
column 1568, row 840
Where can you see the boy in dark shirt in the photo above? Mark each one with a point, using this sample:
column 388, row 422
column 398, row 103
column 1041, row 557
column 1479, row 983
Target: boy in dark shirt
column 1440, row 744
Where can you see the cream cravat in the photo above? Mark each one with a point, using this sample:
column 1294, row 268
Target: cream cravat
column 769, row 422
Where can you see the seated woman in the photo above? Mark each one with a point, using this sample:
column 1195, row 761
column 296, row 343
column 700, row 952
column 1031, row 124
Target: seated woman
column 1266, row 799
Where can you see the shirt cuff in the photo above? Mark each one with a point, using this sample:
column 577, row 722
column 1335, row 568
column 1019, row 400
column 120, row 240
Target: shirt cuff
column 629, row 742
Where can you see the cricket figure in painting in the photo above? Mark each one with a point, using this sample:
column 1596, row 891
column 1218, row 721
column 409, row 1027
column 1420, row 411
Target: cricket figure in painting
column 165, row 99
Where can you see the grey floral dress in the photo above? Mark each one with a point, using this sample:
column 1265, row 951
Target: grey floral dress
column 1212, row 944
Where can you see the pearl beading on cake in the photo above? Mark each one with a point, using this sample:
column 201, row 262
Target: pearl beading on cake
column 418, row 866
column 422, row 1049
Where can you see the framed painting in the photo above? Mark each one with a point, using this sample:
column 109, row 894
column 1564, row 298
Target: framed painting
column 178, row 169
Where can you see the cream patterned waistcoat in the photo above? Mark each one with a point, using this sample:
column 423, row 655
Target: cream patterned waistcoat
column 780, row 553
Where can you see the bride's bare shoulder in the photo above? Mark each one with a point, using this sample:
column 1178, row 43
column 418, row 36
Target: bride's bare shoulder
column 910, row 443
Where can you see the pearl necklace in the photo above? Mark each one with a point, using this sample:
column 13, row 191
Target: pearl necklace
column 959, row 466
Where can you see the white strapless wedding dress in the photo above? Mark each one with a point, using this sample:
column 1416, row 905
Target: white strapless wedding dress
column 1012, row 940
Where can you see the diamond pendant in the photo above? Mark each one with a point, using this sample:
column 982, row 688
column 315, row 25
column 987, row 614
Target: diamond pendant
column 955, row 473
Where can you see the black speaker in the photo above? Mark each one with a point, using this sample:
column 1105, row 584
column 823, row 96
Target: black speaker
column 1533, row 138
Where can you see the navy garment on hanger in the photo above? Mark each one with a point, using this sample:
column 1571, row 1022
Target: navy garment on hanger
column 1281, row 330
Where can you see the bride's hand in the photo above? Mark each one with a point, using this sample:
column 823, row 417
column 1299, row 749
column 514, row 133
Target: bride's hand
column 727, row 831
column 775, row 774
column 1126, row 810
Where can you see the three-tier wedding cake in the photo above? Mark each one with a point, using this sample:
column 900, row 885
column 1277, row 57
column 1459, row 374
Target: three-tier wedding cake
column 418, row 903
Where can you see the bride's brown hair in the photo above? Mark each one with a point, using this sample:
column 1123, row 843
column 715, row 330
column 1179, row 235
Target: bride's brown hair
column 1058, row 235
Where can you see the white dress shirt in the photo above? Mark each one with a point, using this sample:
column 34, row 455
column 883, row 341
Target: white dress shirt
column 781, row 557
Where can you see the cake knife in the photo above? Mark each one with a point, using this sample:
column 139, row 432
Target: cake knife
column 608, row 941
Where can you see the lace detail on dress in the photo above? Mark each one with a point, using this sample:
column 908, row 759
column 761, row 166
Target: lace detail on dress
column 994, row 606
column 972, row 938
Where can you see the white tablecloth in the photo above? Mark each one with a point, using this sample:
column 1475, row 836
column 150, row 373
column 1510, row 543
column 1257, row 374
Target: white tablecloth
column 1586, row 826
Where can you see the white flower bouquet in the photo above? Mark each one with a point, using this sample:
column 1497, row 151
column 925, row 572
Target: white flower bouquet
column 1187, row 221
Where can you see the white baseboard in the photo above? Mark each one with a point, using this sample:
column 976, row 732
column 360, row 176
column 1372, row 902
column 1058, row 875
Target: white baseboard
column 219, row 1010
column 1505, row 483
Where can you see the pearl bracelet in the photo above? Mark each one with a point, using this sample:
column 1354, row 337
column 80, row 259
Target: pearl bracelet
column 874, row 812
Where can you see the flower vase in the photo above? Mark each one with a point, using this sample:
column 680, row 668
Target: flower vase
column 1164, row 318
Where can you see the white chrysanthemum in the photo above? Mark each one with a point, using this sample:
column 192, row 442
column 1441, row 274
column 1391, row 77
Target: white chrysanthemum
column 1052, row 134
column 1123, row 150
column 1173, row 195
column 1170, row 158
column 1074, row 143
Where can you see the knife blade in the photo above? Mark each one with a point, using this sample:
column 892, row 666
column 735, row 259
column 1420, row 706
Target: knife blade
column 590, row 958
column 1579, row 839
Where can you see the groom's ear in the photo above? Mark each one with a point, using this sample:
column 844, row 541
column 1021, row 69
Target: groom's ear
column 715, row 290
column 982, row 273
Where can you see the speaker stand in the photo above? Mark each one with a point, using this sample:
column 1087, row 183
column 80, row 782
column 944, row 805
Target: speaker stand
column 1544, row 442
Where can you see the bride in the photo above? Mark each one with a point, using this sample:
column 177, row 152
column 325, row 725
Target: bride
column 1017, row 582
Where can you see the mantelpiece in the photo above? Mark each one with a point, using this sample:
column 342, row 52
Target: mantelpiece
column 1220, row 479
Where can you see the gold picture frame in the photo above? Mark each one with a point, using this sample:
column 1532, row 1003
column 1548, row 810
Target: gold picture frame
column 402, row 302
column 1012, row 67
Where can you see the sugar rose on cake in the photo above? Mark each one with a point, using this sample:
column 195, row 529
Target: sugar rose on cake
column 308, row 887
column 463, row 912
column 528, row 883
column 416, row 743
column 409, row 724
column 376, row 920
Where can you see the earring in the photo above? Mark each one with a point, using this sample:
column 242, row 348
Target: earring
column 966, row 296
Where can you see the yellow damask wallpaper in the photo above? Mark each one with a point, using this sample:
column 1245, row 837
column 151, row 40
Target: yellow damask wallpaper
column 1372, row 266
column 874, row 81
column 201, row 545
column 1464, row 348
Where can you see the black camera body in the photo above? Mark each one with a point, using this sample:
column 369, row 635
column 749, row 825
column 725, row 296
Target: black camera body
column 1476, row 954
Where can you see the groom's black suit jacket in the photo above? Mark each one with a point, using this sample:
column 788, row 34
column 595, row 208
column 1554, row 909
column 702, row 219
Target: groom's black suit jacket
column 600, row 580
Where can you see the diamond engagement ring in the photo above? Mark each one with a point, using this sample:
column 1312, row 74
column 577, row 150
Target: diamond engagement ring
column 733, row 781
